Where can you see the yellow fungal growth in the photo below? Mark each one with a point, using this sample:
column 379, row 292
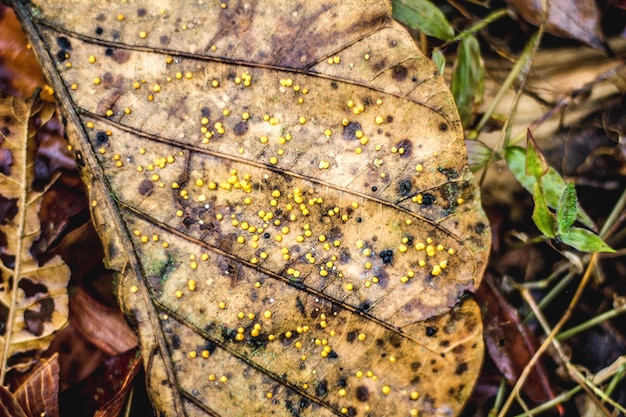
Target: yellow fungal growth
column 205, row 354
column 430, row 250
column 386, row 390
column 379, row 120
column 212, row 377
column 221, row 305
column 362, row 337
column 324, row 165
column 328, row 132
column 436, row 270
column 156, row 88
column 460, row 201
column 134, row 289
column 192, row 354
column 188, row 75
column 178, row 294
column 143, row 34
column 97, row 80
column 136, row 85
column 414, row 395
column 215, row 83
column 120, row 17
column 302, row 120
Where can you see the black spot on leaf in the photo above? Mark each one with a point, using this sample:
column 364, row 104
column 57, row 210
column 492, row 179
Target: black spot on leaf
column 240, row 128
column 405, row 187
column 399, row 73
column 362, row 393
column 461, row 368
column 64, row 43
column 146, row 187
column 31, row 288
column 427, row 199
column 431, row 331
column 349, row 131
column 386, row 256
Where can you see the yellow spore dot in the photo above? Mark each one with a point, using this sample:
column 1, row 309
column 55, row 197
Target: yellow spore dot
column 349, row 287
column 362, row 336
column 436, row 270
column 120, row 17
column 215, row 83
column 414, row 395
column 221, row 305
column 134, row 289
column 386, row 389
column 324, row 165
column 143, row 34
column 178, row 293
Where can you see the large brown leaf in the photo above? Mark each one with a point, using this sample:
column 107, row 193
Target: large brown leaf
column 282, row 190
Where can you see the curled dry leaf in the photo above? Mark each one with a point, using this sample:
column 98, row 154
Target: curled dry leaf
column 102, row 326
column 282, row 190
column 33, row 297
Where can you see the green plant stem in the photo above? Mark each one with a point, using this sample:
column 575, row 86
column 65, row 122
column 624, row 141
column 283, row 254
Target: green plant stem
column 617, row 211
column 575, row 299
column 522, row 63
column 616, row 379
column 561, row 398
column 607, row 315
column 490, row 18
column 519, row 70
column 499, row 398
column 554, row 292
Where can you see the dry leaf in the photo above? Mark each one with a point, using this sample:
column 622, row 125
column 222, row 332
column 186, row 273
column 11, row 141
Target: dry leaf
column 9, row 407
column 568, row 19
column 39, row 394
column 102, row 326
column 282, row 190
column 34, row 305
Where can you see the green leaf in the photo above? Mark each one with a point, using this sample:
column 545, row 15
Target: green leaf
column 468, row 78
column 553, row 184
column 536, row 164
column 424, row 16
column 566, row 213
column 585, row 240
column 544, row 219
column 478, row 154
column 440, row 61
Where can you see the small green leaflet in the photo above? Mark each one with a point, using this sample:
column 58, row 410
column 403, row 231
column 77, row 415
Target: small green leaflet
column 424, row 16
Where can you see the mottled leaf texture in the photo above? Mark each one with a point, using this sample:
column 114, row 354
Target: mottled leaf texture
column 282, row 190
column 33, row 297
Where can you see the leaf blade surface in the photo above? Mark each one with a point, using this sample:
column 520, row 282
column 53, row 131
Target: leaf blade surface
column 293, row 238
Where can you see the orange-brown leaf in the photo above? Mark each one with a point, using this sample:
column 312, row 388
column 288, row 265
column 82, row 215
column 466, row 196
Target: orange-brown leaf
column 282, row 190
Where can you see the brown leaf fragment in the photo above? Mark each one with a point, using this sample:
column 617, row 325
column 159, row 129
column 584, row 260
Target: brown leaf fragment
column 567, row 19
column 39, row 394
column 509, row 343
column 9, row 406
column 284, row 197
column 102, row 326
column 117, row 373
column 20, row 75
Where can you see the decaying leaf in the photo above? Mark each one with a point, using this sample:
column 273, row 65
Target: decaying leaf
column 39, row 394
column 282, row 190
column 33, row 297
column 569, row 19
